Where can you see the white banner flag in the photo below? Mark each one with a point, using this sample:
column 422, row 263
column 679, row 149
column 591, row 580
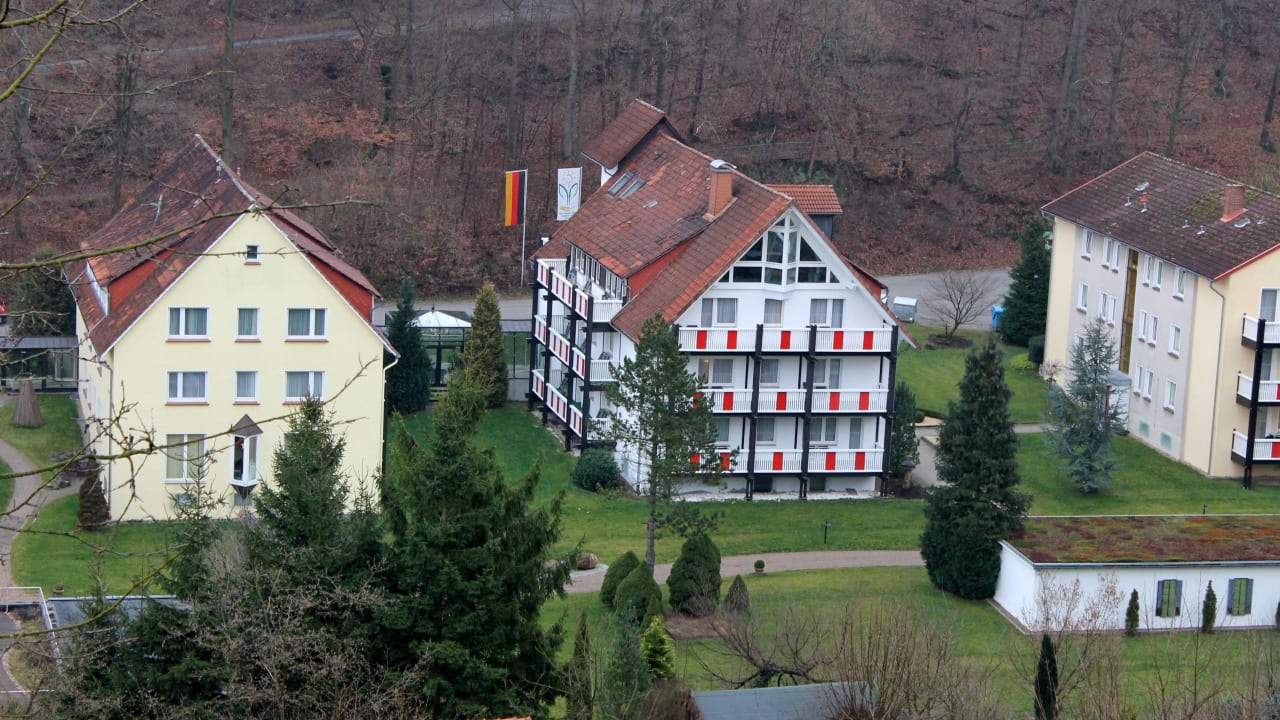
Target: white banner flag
column 568, row 192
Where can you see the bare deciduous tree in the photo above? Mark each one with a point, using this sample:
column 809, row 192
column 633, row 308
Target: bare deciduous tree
column 959, row 298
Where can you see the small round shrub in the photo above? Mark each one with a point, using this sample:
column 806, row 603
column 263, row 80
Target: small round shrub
column 596, row 471
column 638, row 599
column 614, row 576
column 694, row 583
column 737, row 600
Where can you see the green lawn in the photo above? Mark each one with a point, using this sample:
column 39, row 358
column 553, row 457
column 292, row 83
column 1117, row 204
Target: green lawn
column 60, row 433
column 934, row 376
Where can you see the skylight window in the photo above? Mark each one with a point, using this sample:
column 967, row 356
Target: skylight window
column 630, row 190
column 616, row 187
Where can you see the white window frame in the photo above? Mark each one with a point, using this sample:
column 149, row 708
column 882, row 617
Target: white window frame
column 832, row 310
column 312, row 376
column 1180, row 283
column 777, row 305
column 770, row 377
column 251, row 447
column 1142, row 325
column 1146, row 269
column 763, row 436
column 714, row 309
column 257, row 323
column 722, row 431
column 855, row 433
column 313, row 313
column 252, row 255
column 184, row 316
column 177, row 379
column 1158, row 274
column 1170, row 395
column 1175, row 340
column 827, row 429
column 1153, row 332
column 1106, row 251
column 1082, row 299
column 1086, row 247
column 823, row 372
column 1111, row 310
column 240, row 398
column 178, row 448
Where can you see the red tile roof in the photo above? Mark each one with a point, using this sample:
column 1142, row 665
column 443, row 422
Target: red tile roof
column 659, row 237
column 1181, row 222
column 812, row 199
column 611, row 147
column 169, row 224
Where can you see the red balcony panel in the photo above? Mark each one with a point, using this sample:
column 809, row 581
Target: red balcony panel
column 834, row 404
column 784, row 341
column 868, row 340
column 859, row 460
column 837, row 340
column 864, row 400
column 781, row 401
column 702, row 340
column 727, row 404
column 733, row 340
column 724, row 462
column 777, row 462
column 696, row 459
column 1275, row 451
column 831, row 460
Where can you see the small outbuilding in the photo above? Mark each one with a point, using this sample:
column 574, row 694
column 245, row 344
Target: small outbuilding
column 1079, row 572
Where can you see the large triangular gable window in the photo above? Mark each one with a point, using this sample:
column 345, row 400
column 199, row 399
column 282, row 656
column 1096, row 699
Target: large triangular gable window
column 782, row 256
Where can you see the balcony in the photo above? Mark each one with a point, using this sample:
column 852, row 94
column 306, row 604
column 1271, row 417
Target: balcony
column 581, row 294
column 569, row 414
column 1270, row 336
column 1268, row 391
column 826, row 401
column 821, row 461
column 570, row 355
column 825, row 340
column 1265, row 450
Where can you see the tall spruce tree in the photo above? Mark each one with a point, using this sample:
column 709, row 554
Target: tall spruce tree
column 1026, row 307
column 1082, row 421
column 484, row 365
column 409, row 378
column 578, row 697
column 663, row 420
column 905, row 445
column 1046, row 691
column 40, row 302
column 468, row 566
column 978, row 502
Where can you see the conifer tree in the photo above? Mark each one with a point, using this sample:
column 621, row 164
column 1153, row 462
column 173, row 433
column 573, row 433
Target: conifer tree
column 614, row 576
column 578, row 699
column 1082, row 420
column 409, row 378
column 978, row 503
column 468, row 567
column 1026, row 307
column 694, row 583
column 663, row 420
column 1131, row 617
column 738, row 599
column 41, row 303
column 626, row 675
column 1209, row 610
column 905, row 445
column 659, row 650
column 638, row 598
column 1047, row 680
column 484, row 365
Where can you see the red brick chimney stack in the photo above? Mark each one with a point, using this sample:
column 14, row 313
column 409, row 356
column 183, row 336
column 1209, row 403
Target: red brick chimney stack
column 1232, row 202
column 721, row 187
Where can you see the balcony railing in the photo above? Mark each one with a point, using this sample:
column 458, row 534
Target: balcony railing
column 788, row 462
column 791, row 400
column 1250, row 333
column 826, row 340
column 1268, row 390
column 569, row 414
column 1264, row 449
column 577, row 295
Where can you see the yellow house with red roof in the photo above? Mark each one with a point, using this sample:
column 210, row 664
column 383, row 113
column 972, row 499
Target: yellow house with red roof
column 791, row 340
column 206, row 314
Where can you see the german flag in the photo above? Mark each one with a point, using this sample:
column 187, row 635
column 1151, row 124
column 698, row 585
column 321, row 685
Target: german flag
column 513, row 198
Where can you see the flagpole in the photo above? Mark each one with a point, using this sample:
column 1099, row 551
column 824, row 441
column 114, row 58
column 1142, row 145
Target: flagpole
column 524, row 222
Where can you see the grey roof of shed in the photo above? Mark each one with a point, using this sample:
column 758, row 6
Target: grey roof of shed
column 795, row 702
column 1180, row 218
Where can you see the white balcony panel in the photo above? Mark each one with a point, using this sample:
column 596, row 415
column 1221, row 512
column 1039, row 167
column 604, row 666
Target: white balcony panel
column 791, row 400
column 1264, row 449
column 1268, row 390
column 1272, row 336
column 827, row 340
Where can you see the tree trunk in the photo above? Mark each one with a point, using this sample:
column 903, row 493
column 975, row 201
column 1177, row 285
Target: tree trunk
column 125, row 82
column 1064, row 117
column 515, row 116
column 1264, row 141
column 571, row 95
column 1124, row 19
column 228, row 85
column 650, row 556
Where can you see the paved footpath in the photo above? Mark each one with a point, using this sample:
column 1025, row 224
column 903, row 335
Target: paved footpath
column 590, row 580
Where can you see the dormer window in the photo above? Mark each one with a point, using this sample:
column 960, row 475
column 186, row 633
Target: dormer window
column 251, row 255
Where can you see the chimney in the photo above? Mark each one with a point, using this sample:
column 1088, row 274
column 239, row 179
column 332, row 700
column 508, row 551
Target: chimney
column 721, row 187
column 1232, row 202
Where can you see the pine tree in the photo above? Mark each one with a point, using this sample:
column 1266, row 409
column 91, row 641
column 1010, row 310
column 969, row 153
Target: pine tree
column 1026, row 307
column 577, row 676
column 1209, row 610
column 626, row 675
column 1047, row 680
column 1131, row 617
column 94, row 512
column 468, row 566
column 738, row 599
column 978, row 503
column 41, row 303
column 663, row 420
column 614, row 576
column 484, row 365
column 905, row 445
column 409, row 378
column 659, row 650
column 694, row 583
column 1082, row 420
column 639, row 598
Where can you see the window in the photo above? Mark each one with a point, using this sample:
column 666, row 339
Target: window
column 764, row 431
column 855, row 433
column 1111, row 310
column 716, row 372
column 1169, row 598
column 244, row 458
column 184, row 457
column 1170, row 394
column 246, row 386
column 772, row 312
column 246, row 323
column 1267, row 308
column 826, row 372
column 251, row 254
column 1146, row 269
column 188, row 322
column 769, row 371
column 780, row 253
column 1179, row 283
column 1082, row 302
column 722, row 431
column 300, row 385
column 719, row 311
column 1153, row 330
column 1240, row 596
column 187, row 386
column 822, row 431
column 1142, row 324
column 1117, row 253
column 1157, row 275
column 1086, row 249
column 826, row 312
column 306, row 323
column 1175, row 340
column 1145, row 379
column 1107, row 244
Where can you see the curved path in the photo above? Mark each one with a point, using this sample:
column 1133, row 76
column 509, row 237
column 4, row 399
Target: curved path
column 590, row 580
